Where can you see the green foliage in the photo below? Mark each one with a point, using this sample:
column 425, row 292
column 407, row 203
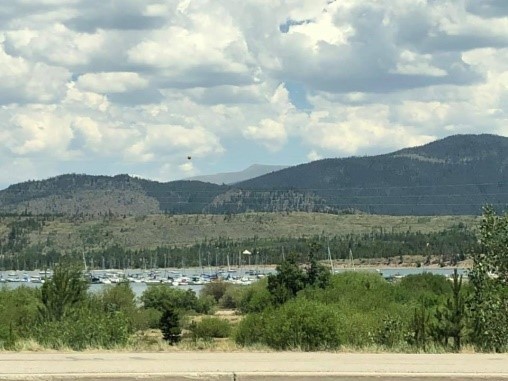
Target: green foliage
column 114, row 242
column 233, row 296
column 161, row 297
column 205, row 305
column 488, row 303
column 146, row 318
column 255, row 297
column 428, row 289
column 250, row 330
column 450, row 318
column 317, row 274
column 420, row 328
column 83, row 328
column 66, row 289
column 391, row 333
column 288, row 280
column 366, row 310
column 18, row 313
column 291, row 278
column 170, row 325
column 215, row 289
column 121, row 298
column 209, row 328
column 297, row 324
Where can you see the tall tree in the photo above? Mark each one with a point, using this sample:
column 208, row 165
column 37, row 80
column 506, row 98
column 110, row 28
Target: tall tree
column 64, row 290
column 488, row 304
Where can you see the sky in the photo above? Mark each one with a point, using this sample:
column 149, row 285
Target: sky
column 137, row 86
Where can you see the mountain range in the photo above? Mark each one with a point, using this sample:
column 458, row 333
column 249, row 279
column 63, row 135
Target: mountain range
column 229, row 178
column 455, row 175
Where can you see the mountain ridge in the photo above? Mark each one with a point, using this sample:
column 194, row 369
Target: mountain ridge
column 230, row 178
column 454, row 175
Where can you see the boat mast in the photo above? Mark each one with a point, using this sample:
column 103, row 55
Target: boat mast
column 330, row 258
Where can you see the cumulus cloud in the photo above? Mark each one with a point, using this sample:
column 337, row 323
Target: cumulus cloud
column 115, row 82
column 23, row 81
column 136, row 86
column 270, row 133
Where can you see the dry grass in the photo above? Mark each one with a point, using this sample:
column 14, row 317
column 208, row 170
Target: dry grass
column 152, row 341
column 180, row 230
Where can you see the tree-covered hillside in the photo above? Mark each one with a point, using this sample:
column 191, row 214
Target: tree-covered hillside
column 456, row 175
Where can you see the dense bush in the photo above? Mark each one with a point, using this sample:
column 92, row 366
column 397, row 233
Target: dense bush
column 254, row 298
column 427, row 289
column 121, row 298
column 19, row 311
column 250, row 330
column 161, row 297
column 209, row 328
column 297, row 324
column 83, row 328
column 215, row 290
column 358, row 309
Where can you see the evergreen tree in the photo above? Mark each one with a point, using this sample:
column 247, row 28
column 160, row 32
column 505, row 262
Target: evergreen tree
column 170, row 325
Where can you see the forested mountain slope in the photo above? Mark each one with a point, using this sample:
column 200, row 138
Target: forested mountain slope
column 455, row 175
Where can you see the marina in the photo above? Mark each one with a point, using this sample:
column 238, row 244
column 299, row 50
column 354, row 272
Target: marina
column 139, row 279
column 197, row 277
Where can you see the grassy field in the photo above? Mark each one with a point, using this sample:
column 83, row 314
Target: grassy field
column 181, row 230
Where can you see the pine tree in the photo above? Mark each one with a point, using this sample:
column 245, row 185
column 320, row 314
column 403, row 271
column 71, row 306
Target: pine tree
column 170, row 325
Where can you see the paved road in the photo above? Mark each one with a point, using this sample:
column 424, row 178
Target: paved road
column 251, row 366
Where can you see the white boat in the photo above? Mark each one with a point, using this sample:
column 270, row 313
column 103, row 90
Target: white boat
column 181, row 281
column 36, row 279
column 105, row 280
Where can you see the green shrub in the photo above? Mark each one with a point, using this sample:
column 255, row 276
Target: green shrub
column 232, row 297
column 215, row 290
column 119, row 297
column 391, row 333
column 145, row 318
column 427, row 289
column 297, row 324
column 19, row 311
column 251, row 330
column 209, row 328
column 162, row 297
column 84, row 328
column 254, row 298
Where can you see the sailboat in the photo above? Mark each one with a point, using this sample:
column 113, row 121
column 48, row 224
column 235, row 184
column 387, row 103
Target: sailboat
column 230, row 270
column 330, row 259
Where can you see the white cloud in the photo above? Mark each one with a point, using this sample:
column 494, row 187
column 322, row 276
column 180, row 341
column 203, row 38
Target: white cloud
column 56, row 45
column 270, row 133
column 25, row 81
column 136, row 87
column 38, row 132
column 163, row 141
column 313, row 156
column 116, row 82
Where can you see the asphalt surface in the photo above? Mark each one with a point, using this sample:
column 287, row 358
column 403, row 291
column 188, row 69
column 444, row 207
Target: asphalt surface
column 251, row 366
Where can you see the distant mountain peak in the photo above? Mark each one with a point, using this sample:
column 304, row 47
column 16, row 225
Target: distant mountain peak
column 255, row 170
column 455, row 175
